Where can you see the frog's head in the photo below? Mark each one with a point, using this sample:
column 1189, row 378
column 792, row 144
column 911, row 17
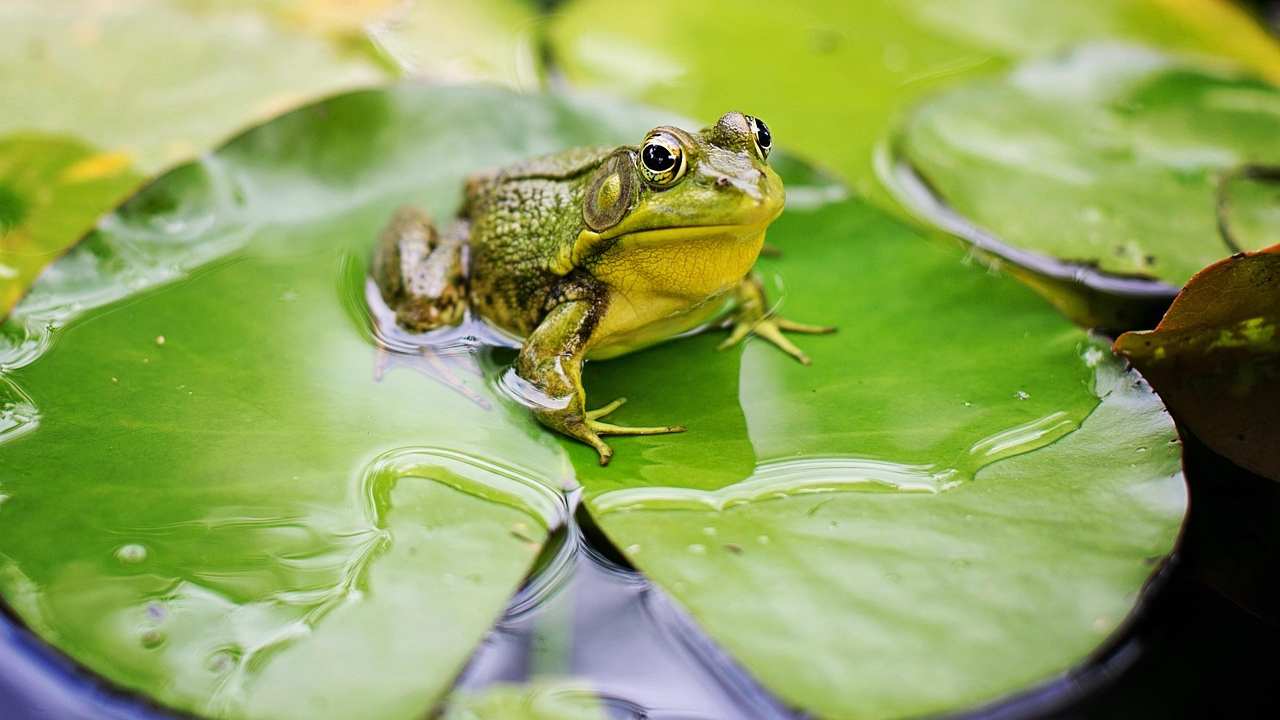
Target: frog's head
column 677, row 186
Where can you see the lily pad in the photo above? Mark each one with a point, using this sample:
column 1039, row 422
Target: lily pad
column 445, row 41
column 961, row 498
column 1109, row 160
column 51, row 189
column 146, row 84
column 217, row 477
column 196, row 71
column 193, row 73
column 1215, row 358
column 222, row 467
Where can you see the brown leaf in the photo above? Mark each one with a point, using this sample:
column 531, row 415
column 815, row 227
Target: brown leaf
column 1215, row 358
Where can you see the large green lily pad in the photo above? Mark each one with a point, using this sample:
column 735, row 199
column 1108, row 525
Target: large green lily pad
column 962, row 497
column 215, row 482
column 1111, row 159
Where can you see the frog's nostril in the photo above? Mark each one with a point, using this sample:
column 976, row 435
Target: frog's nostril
column 722, row 182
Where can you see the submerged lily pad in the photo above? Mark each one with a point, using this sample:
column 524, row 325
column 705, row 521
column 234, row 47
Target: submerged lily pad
column 223, row 468
column 1110, row 159
column 961, row 498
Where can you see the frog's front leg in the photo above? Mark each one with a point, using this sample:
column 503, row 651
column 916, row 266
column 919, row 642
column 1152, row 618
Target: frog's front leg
column 551, row 360
column 420, row 272
column 751, row 315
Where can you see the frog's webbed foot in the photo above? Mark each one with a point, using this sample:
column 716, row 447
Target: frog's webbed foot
column 771, row 329
column 420, row 272
column 604, row 428
column 751, row 317
column 551, row 361
column 587, row 427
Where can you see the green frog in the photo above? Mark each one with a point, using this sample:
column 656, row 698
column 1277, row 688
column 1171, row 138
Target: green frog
column 592, row 253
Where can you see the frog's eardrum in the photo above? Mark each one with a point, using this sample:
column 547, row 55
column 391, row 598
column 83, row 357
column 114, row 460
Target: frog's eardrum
column 611, row 192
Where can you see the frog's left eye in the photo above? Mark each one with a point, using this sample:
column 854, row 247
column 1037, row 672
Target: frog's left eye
column 761, row 135
column 662, row 160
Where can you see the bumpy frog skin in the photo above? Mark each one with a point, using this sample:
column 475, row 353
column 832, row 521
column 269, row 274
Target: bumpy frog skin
column 595, row 252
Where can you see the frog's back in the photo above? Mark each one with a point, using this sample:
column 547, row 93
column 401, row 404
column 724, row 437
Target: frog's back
column 521, row 217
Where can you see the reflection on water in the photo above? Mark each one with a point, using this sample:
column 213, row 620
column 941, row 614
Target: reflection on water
column 18, row 413
column 776, row 479
column 612, row 630
column 784, row 478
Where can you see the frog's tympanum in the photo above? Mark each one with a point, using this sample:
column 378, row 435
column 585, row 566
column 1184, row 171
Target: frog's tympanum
column 595, row 252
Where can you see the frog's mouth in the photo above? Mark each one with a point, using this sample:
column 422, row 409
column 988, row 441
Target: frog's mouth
column 754, row 224
column 661, row 236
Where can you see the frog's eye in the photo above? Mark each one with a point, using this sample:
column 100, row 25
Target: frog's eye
column 662, row 160
column 761, row 135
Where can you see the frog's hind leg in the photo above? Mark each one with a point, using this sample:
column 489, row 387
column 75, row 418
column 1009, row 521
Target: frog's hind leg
column 421, row 273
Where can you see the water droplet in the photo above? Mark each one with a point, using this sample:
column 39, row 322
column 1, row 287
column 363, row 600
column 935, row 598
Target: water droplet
column 633, row 549
column 708, row 531
column 1024, row 437
column 1022, row 395
column 131, row 554
column 697, row 549
column 152, row 639
column 160, row 340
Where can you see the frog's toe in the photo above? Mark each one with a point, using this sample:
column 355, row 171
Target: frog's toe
column 740, row 331
column 768, row 329
column 803, row 328
column 602, row 449
column 605, row 410
column 604, row 428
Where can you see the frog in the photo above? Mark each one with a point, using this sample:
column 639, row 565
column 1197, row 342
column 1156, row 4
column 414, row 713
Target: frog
column 596, row 252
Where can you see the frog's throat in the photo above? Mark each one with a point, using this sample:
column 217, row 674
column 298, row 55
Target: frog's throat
column 590, row 243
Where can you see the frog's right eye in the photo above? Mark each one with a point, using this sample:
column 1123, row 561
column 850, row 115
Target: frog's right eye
column 662, row 160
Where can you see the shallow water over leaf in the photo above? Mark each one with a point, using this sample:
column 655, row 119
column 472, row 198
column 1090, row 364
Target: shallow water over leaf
column 221, row 469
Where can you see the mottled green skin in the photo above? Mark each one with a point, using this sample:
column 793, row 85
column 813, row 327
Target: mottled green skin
column 522, row 217
column 588, row 254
